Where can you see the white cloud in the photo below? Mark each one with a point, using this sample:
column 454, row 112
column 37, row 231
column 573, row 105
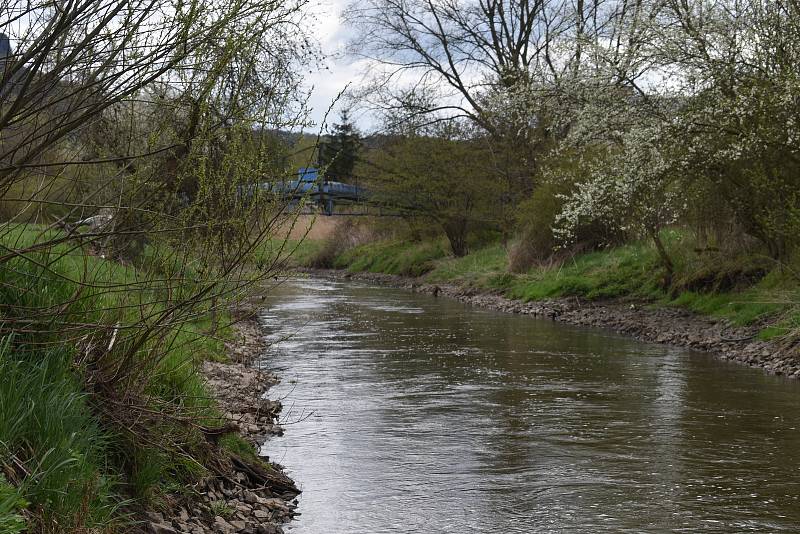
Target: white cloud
column 339, row 71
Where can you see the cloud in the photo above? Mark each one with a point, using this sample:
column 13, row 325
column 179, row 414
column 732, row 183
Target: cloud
column 339, row 71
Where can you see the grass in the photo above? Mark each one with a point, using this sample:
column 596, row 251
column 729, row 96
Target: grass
column 11, row 504
column 392, row 257
column 52, row 442
column 746, row 289
column 295, row 252
column 630, row 271
column 476, row 269
column 69, row 466
column 222, row 509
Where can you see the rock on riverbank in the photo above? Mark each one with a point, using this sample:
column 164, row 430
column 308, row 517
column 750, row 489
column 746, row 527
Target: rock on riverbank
column 246, row 497
column 673, row 326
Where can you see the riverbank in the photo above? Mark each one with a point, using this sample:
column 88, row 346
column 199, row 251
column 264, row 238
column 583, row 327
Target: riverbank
column 108, row 422
column 248, row 495
column 645, row 322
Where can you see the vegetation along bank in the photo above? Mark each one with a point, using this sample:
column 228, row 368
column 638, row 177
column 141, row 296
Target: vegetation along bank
column 127, row 237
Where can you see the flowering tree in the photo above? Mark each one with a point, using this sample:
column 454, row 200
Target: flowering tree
column 714, row 127
column 634, row 189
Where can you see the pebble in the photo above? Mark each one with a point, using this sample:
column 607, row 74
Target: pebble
column 239, row 389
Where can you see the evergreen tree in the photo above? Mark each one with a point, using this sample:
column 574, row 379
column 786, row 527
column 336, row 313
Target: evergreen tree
column 338, row 154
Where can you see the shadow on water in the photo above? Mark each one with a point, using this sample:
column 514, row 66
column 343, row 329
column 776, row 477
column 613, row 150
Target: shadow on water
column 431, row 416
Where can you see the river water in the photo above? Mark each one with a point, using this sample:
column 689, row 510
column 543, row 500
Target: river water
column 406, row 413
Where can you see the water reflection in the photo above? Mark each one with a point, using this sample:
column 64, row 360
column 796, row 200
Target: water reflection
column 430, row 416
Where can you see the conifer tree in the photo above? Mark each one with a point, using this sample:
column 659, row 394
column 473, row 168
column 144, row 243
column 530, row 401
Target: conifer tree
column 338, row 154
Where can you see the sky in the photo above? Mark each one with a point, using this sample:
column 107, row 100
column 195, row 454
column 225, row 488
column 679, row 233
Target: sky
column 332, row 35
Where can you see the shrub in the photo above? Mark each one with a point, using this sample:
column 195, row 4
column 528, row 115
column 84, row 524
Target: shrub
column 536, row 242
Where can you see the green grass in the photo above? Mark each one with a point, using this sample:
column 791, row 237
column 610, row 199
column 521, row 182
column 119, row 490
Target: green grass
column 630, row 271
column 476, row 268
column 11, row 504
column 76, row 468
column 50, row 430
column 294, row 252
column 392, row 257
column 741, row 308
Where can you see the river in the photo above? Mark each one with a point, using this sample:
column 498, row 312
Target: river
column 406, row 413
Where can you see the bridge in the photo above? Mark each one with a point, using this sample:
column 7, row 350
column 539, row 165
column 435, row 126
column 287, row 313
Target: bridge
column 311, row 186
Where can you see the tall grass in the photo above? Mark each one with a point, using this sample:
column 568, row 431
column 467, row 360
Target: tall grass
column 392, row 257
column 95, row 412
column 11, row 503
column 51, row 446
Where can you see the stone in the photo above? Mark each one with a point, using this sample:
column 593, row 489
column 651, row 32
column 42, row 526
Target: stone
column 161, row 528
column 241, row 505
column 220, row 525
column 251, row 498
column 276, row 504
column 154, row 517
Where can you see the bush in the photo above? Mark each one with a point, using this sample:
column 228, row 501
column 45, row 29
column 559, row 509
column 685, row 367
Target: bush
column 536, row 243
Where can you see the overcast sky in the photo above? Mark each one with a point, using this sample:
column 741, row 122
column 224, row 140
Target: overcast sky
column 332, row 35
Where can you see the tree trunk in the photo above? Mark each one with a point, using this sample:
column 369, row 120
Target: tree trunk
column 456, row 232
column 666, row 261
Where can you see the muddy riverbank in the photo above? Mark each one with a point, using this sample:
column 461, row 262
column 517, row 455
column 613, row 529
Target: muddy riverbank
column 657, row 324
column 244, row 496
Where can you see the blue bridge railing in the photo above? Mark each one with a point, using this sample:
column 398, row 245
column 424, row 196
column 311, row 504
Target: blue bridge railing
column 310, row 186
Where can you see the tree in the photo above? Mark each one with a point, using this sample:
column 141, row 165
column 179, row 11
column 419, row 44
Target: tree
column 715, row 132
column 500, row 64
column 471, row 55
column 112, row 106
column 339, row 152
column 439, row 175
column 635, row 189
column 130, row 128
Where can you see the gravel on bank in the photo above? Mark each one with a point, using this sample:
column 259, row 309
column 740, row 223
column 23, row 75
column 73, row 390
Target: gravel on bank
column 657, row 324
column 249, row 497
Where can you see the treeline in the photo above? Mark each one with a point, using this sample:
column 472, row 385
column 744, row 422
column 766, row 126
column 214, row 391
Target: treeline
column 575, row 126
